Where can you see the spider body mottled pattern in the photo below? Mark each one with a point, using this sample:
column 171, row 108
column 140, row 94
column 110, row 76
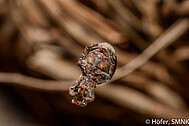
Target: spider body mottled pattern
column 98, row 64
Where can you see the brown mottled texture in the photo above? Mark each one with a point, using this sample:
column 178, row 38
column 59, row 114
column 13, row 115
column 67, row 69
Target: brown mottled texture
column 98, row 64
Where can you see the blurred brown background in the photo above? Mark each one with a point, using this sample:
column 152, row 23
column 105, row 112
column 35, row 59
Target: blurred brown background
column 40, row 41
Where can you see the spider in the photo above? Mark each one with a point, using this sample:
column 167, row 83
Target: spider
column 98, row 64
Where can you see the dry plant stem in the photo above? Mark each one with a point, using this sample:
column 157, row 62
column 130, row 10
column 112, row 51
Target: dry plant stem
column 101, row 5
column 142, row 44
column 51, row 64
column 126, row 14
column 168, row 37
column 132, row 35
column 179, row 8
column 17, row 79
column 39, row 22
column 169, row 62
column 32, row 11
column 181, row 54
column 29, row 32
column 155, row 89
column 150, row 17
column 155, row 69
column 65, row 41
column 93, row 20
column 138, row 102
column 69, row 24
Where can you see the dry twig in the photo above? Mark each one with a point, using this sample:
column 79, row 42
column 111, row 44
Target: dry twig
column 17, row 79
column 169, row 36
